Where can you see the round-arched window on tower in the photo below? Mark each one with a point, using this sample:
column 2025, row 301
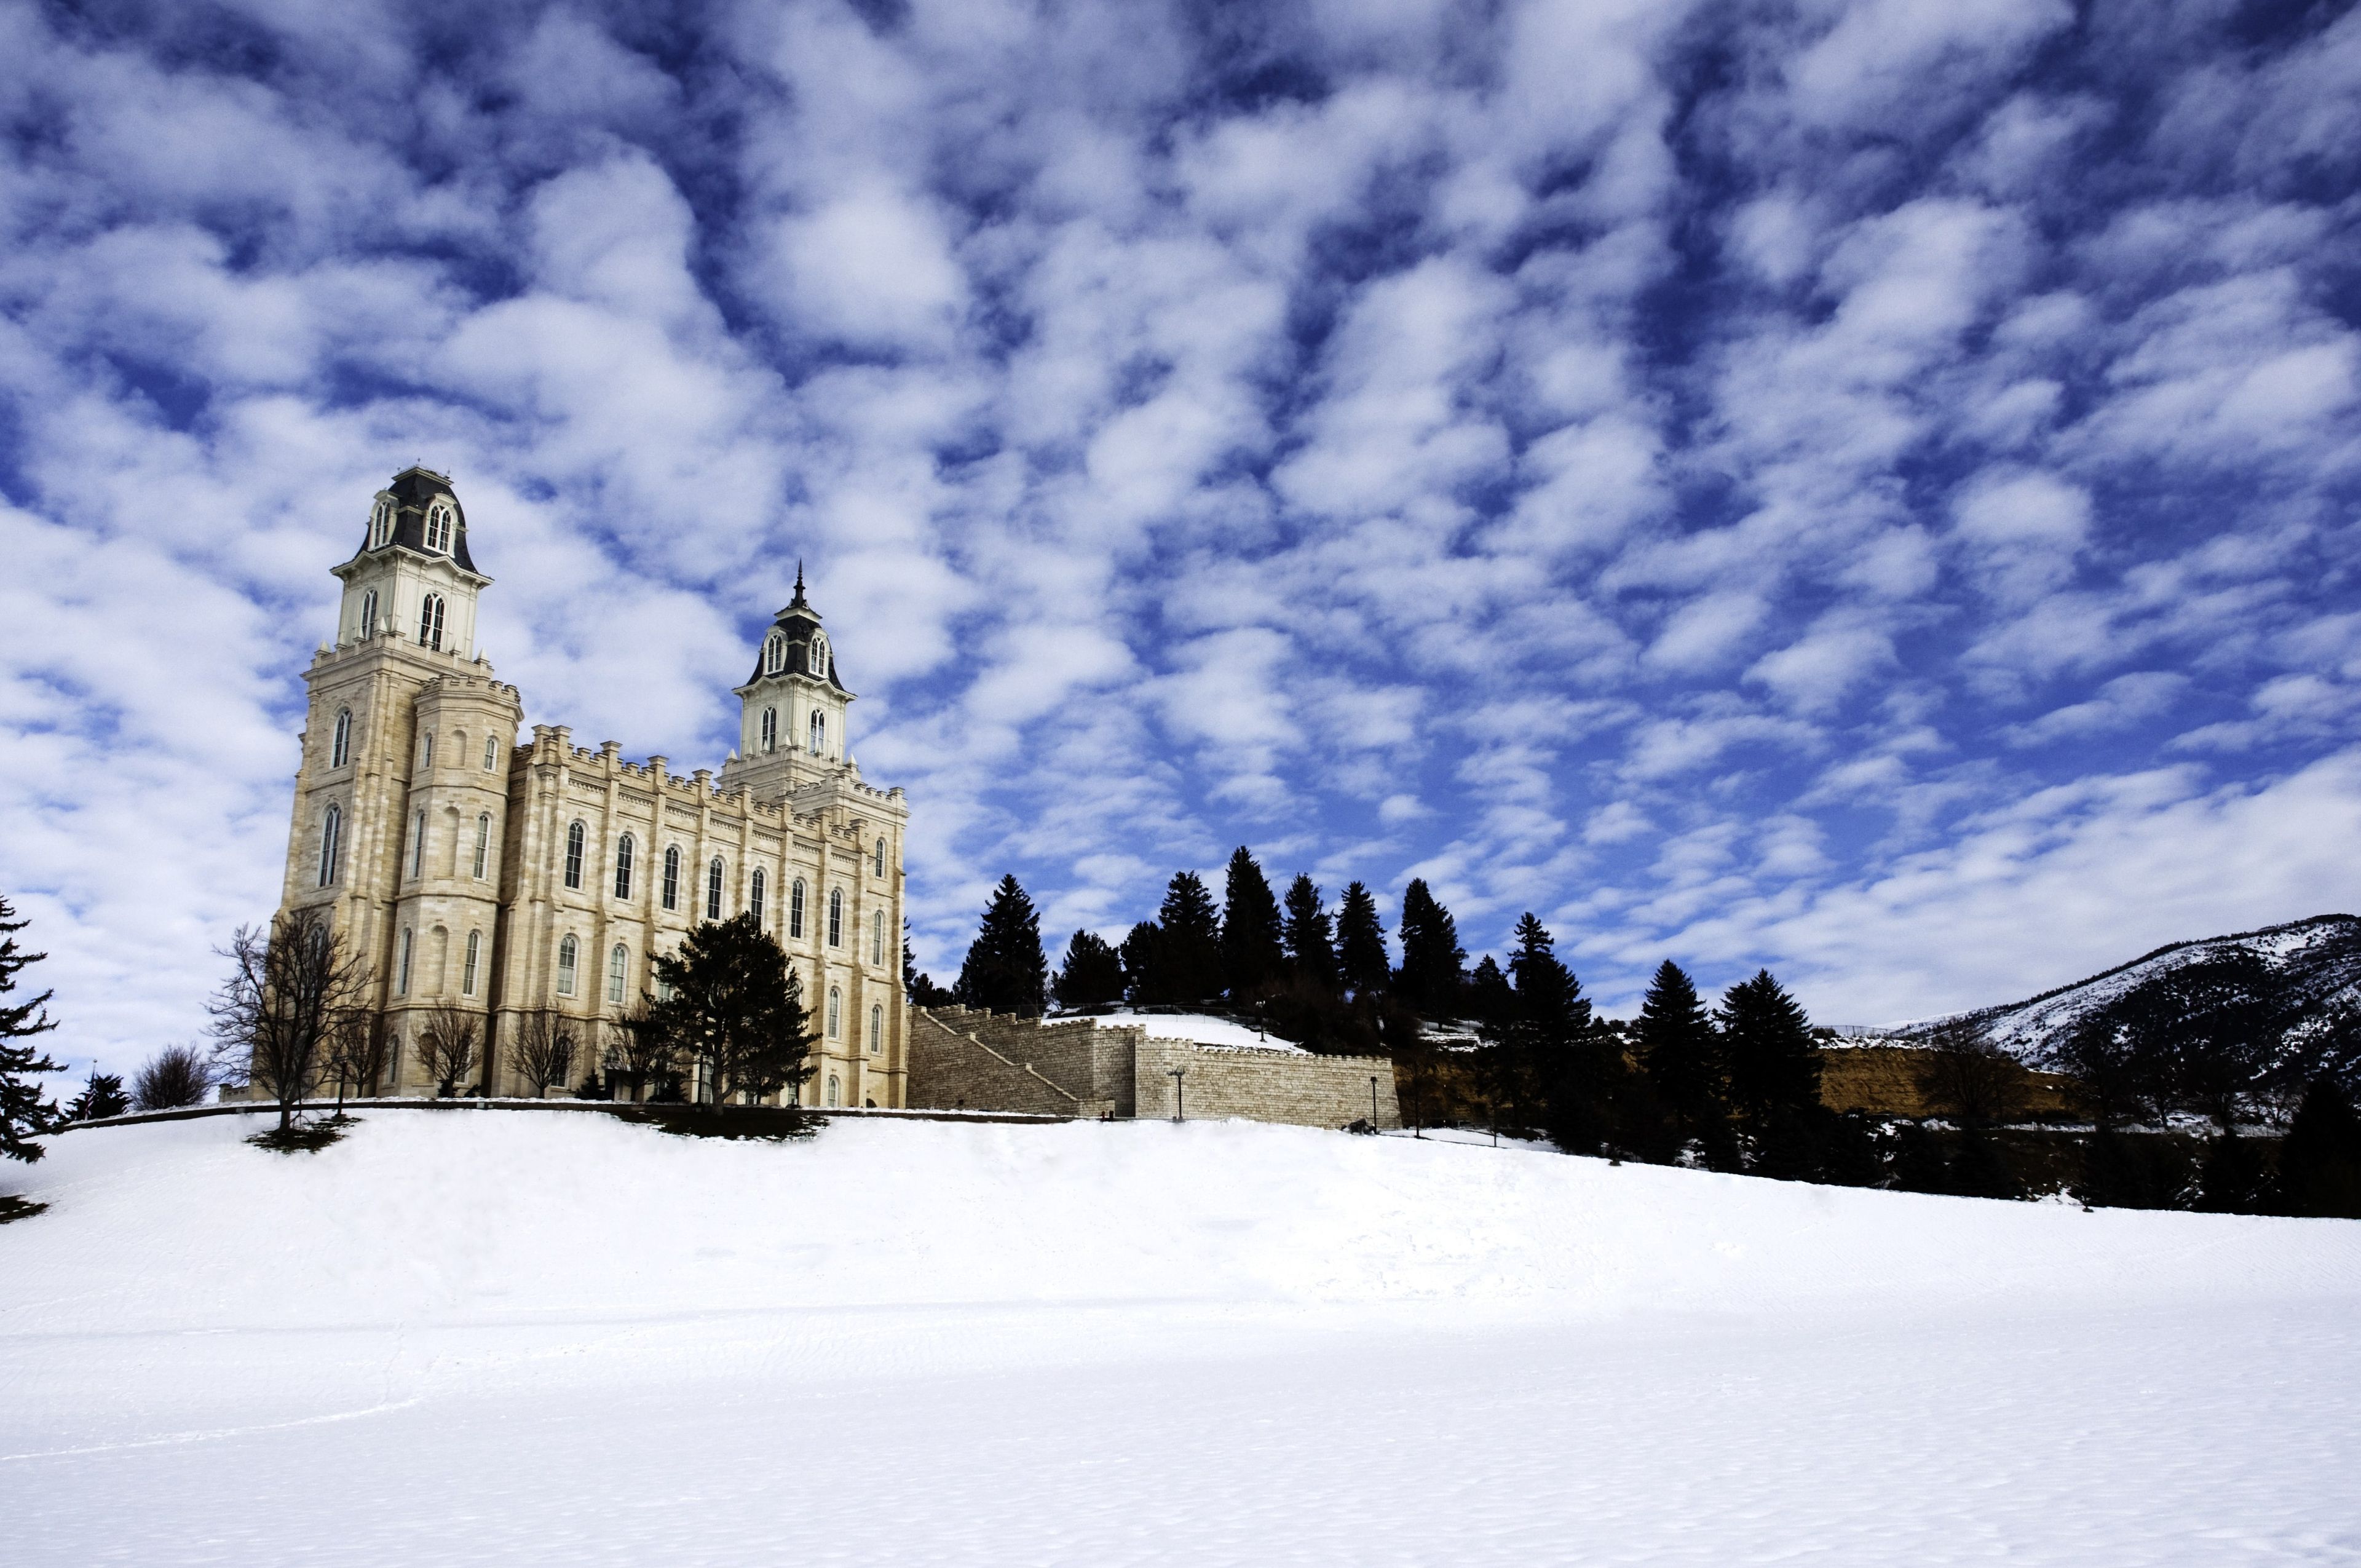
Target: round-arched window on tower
column 818, row 730
column 430, row 621
column 835, row 1095
column 770, row 730
column 332, row 844
column 775, row 654
column 569, row 958
column 438, row 528
column 815, row 654
column 369, row 613
column 340, row 749
column 483, row 844
column 381, row 525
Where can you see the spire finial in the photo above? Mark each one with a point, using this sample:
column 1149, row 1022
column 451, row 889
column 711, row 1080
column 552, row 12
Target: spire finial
column 798, row 602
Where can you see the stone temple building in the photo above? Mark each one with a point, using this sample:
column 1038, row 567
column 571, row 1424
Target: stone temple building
column 503, row 874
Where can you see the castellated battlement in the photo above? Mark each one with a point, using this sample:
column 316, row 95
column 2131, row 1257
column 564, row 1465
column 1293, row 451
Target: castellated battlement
column 961, row 1059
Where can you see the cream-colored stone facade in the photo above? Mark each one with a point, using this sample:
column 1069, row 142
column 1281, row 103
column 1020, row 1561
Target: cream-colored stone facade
column 505, row 875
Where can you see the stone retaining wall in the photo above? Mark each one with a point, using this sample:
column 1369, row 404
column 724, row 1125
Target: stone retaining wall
column 952, row 1069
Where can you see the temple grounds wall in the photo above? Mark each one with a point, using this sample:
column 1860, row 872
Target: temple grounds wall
column 964, row 1060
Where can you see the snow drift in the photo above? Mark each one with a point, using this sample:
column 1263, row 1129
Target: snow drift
column 504, row 1335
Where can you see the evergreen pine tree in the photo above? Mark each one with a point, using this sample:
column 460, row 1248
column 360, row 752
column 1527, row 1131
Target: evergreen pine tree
column 1139, row 966
column 1184, row 956
column 728, row 1005
column 1091, row 975
column 1361, row 944
column 1489, row 998
column 1767, row 1046
column 1252, row 955
column 1310, row 937
column 1680, row 1052
column 1003, row 970
column 1434, row 964
column 24, row 1114
column 102, row 1097
column 2320, row 1158
column 1545, row 1055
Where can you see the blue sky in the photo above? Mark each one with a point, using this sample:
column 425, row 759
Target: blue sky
column 1869, row 489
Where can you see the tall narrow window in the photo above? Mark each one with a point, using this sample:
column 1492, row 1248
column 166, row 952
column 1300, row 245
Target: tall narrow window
column 795, row 911
column 483, row 845
column 755, row 895
column 369, row 613
column 834, row 1093
column 623, row 866
column 775, row 654
column 672, row 878
column 430, row 621
column 468, row 969
column 426, row 753
column 877, row 855
column 568, row 957
column 381, row 525
column 340, row 748
column 576, row 836
column 770, row 730
column 713, row 890
column 876, row 1029
column 836, row 917
column 618, row 962
column 876, row 935
column 332, row 834
column 818, row 729
column 835, row 1012
column 438, row 529
column 491, row 753
column 418, row 844
column 401, row 970
column 815, row 653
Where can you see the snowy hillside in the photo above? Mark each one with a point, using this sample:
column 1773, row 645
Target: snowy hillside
column 2300, row 972
column 519, row 1337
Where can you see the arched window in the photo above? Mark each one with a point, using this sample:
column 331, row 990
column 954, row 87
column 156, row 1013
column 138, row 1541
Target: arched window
column 713, row 890
column 755, row 895
column 815, row 653
column 833, row 1092
column 418, row 844
column 770, row 730
column 426, row 753
column 369, row 613
column 818, row 731
column 569, row 958
column 795, row 911
column 835, row 1012
column 623, row 866
column 619, row 962
column 876, row 935
column 332, row 834
column 483, row 845
column 877, row 855
column 876, row 1029
column 836, row 917
column 672, row 878
column 381, row 525
column 401, row 970
column 340, row 748
column 775, row 654
column 468, row 969
column 438, row 529
column 491, row 753
column 575, row 837
column 430, row 621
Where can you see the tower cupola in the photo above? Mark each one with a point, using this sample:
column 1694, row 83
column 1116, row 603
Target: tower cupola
column 412, row 576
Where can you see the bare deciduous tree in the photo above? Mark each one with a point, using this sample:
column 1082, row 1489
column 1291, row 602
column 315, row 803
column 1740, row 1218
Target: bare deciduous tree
column 357, row 1053
column 272, row 1016
column 543, row 1051
column 641, row 1051
column 177, row 1076
column 447, row 1046
column 1968, row 1076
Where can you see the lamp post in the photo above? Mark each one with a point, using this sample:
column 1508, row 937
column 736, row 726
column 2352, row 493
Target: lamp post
column 1176, row 1074
column 1373, row 1105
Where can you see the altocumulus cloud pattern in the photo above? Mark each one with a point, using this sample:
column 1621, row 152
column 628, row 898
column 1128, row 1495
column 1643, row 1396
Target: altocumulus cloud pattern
column 1868, row 488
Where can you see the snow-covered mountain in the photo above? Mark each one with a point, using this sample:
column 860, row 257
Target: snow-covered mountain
column 2293, row 982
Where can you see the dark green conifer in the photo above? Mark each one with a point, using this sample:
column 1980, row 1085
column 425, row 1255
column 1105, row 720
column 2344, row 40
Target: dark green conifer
column 1489, row 998
column 102, row 1097
column 2320, row 1158
column 1091, row 975
column 1434, row 964
column 1681, row 1053
column 25, row 1112
column 1252, row 952
column 1183, row 956
column 1361, row 944
column 1768, row 1051
column 1310, row 937
column 1546, row 1055
column 1005, row 970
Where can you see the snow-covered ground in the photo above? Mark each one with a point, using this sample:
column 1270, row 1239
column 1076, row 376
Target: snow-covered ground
column 518, row 1337
column 1202, row 1027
